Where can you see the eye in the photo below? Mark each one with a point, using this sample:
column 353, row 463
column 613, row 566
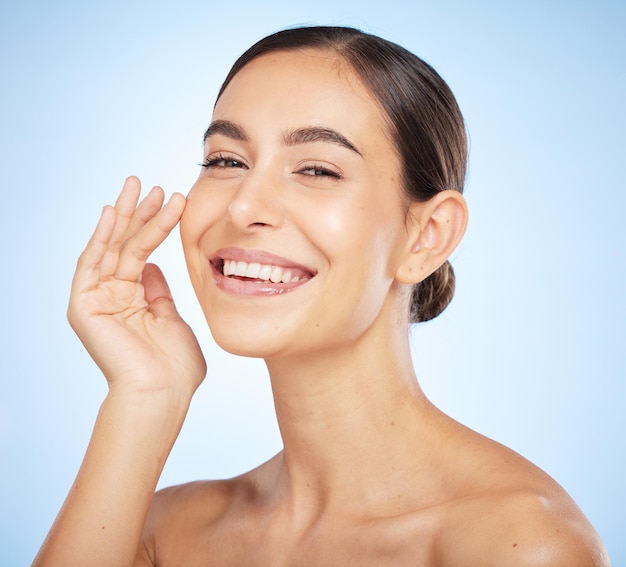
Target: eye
column 223, row 162
column 317, row 170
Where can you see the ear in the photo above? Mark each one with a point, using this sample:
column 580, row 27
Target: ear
column 434, row 230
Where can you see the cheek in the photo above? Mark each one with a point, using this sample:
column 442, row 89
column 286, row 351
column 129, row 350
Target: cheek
column 188, row 235
column 357, row 232
column 187, row 220
column 335, row 227
column 201, row 212
column 194, row 223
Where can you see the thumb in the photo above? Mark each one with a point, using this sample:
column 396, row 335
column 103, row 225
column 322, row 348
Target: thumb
column 157, row 292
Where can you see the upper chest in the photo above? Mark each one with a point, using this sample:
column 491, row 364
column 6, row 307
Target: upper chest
column 397, row 542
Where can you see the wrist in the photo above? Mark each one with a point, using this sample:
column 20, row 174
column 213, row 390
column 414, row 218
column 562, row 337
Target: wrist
column 154, row 418
column 146, row 401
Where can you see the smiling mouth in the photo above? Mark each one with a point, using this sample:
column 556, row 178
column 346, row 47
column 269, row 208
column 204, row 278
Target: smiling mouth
column 257, row 272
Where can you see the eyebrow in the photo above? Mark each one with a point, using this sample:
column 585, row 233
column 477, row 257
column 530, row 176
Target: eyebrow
column 225, row 128
column 318, row 134
column 292, row 138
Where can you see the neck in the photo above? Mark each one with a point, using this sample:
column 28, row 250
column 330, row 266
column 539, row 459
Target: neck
column 349, row 421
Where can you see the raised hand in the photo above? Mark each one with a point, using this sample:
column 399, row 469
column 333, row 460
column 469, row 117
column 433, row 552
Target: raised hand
column 121, row 308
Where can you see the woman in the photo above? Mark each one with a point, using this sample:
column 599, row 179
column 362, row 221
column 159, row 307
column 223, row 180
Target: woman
column 327, row 205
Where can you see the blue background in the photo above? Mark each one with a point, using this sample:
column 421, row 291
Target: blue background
column 531, row 351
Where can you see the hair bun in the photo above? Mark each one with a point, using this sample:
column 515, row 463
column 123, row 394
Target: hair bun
column 433, row 295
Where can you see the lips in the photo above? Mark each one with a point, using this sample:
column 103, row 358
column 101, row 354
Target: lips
column 256, row 272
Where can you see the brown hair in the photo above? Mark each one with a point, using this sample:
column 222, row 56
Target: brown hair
column 424, row 119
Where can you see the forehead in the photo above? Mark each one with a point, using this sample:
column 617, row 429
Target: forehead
column 302, row 88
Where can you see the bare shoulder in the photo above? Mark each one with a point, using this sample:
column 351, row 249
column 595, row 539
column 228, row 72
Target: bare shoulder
column 181, row 517
column 514, row 514
column 194, row 500
column 522, row 529
column 177, row 513
column 184, row 520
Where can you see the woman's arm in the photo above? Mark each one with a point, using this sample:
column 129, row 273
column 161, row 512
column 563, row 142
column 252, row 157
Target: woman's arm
column 123, row 313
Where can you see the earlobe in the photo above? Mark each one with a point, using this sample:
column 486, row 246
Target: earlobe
column 436, row 227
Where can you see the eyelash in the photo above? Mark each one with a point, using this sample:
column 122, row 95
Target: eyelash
column 215, row 162
column 221, row 161
column 320, row 171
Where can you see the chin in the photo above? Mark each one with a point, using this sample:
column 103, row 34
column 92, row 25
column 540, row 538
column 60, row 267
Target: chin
column 242, row 348
column 251, row 338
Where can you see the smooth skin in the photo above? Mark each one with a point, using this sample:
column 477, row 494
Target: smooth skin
column 371, row 472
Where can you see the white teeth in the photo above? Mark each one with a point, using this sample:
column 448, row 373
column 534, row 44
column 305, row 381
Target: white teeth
column 241, row 269
column 253, row 270
column 264, row 272
column 229, row 267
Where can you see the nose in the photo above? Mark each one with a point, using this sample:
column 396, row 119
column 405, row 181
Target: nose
column 257, row 203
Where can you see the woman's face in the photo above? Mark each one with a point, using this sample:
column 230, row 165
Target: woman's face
column 294, row 229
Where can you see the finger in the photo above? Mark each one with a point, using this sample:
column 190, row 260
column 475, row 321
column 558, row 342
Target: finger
column 138, row 248
column 87, row 267
column 148, row 207
column 125, row 207
column 157, row 292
